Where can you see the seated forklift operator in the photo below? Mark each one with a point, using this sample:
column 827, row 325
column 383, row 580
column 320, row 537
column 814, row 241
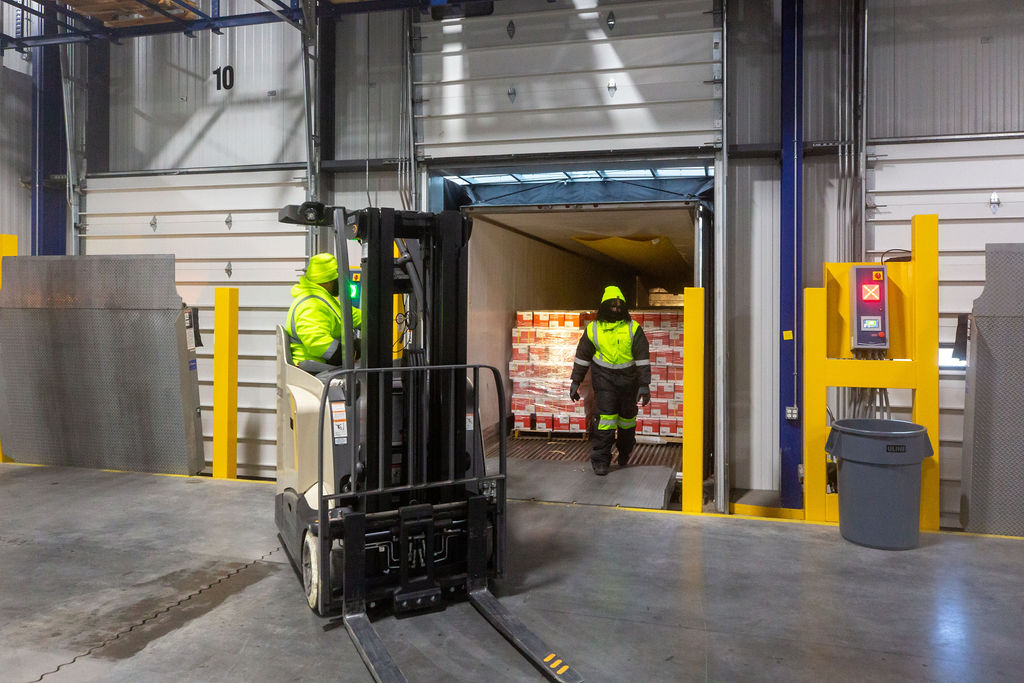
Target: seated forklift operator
column 315, row 317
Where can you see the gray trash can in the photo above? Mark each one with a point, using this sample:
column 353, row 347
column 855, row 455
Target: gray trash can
column 879, row 480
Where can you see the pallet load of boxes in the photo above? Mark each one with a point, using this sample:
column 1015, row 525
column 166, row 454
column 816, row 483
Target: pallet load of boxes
column 543, row 348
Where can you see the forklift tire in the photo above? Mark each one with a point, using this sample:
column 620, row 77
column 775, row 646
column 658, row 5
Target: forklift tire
column 311, row 571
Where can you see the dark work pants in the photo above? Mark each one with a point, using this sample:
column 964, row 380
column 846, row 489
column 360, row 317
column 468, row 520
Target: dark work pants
column 622, row 405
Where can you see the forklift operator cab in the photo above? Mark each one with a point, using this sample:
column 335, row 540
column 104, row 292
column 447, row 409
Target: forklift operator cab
column 383, row 499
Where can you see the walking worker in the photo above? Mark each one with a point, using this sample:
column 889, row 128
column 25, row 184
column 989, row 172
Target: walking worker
column 615, row 349
column 315, row 317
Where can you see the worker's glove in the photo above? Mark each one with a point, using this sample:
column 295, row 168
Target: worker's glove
column 574, row 391
column 644, row 395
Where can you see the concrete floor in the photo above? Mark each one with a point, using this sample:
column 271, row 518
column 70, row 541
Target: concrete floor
column 107, row 576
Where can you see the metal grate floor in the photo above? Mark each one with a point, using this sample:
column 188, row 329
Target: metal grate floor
column 578, row 450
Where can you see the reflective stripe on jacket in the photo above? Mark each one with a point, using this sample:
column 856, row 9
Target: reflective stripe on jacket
column 315, row 322
column 617, row 353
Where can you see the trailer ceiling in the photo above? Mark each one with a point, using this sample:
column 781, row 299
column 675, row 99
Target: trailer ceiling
column 655, row 240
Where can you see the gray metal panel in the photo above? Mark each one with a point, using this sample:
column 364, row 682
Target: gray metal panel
column 993, row 467
column 93, row 367
column 754, row 71
column 938, row 68
column 370, row 87
column 16, row 143
column 752, row 319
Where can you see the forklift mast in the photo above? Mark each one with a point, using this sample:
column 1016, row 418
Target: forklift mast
column 438, row 253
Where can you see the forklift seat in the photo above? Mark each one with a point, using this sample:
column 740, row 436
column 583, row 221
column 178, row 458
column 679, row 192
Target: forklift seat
column 311, row 366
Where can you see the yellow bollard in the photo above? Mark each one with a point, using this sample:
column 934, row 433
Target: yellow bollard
column 693, row 399
column 225, row 383
column 8, row 247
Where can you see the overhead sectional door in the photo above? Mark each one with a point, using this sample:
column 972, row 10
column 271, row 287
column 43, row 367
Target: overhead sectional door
column 223, row 231
column 538, row 77
column 977, row 190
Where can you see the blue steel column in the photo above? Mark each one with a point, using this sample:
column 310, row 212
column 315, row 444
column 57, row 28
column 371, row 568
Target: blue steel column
column 790, row 253
column 49, row 149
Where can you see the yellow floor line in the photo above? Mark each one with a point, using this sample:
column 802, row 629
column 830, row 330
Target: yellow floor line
column 749, row 517
column 241, row 480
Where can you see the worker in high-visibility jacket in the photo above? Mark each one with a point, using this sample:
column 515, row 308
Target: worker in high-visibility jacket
column 615, row 350
column 315, row 320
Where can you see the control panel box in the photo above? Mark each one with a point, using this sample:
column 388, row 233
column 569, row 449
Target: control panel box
column 869, row 307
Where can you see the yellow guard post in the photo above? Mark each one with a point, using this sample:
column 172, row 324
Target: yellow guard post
column 8, row 247
column 225, row 383
column 693, row 399
column 912, row 362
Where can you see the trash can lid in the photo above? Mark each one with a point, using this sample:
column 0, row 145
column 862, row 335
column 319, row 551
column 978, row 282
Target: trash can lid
column 879, row 442
column 876, row 427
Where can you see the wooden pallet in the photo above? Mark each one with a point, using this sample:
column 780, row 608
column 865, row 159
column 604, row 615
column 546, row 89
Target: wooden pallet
column 125, row 13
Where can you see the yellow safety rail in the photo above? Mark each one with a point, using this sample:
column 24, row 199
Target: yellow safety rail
column 693, row 399
column 912, row 362
column 225, row 383
column 8, row 247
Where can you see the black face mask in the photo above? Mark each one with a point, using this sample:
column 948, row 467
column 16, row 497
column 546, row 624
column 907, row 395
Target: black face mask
column 606, row 314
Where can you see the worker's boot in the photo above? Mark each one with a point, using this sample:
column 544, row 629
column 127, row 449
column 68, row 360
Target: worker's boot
column 600, row 467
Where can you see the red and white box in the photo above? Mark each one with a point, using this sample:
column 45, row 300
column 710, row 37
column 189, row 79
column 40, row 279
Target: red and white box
column 520, row 352
column 521, row 420
column 578, row 423
column 675, row 408
column 562, row 422
column 659, row 407
column 650, row 426
column 678, row 394
column 543, row 422
column 671, row 427
column 556, row 319
column 572, row 320
column 524, row 318
column 541, row 318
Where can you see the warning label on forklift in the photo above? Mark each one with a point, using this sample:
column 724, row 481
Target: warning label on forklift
column 469, row 422
column 340, row 423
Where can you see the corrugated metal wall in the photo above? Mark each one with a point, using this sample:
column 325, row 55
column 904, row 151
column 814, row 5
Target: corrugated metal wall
column 754, row 64
column 167, row 113
column 191, row 214
column 370, row 87
column 15, row 141
column 753, row 322
column 945, row 67
column 563, row 77
column 956, row 181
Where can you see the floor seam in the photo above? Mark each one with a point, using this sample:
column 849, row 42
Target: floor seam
column 157, row 613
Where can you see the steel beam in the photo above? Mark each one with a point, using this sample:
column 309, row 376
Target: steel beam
column 791, row 256
column 49, row 149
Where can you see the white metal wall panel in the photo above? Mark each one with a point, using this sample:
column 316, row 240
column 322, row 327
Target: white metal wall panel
column 15, row 148
column 561, row 77
column 166, row 111
column 191, row 215
column 951, row 67
column 954, row 180
column 753, row 320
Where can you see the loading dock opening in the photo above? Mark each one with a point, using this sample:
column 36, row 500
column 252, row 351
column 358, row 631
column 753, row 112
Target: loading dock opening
column 560, row 257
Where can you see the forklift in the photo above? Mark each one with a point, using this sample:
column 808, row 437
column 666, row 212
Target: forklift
column 383, row 499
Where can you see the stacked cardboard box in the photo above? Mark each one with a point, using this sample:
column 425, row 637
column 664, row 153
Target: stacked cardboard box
column 543, row 348
column 663, row 417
